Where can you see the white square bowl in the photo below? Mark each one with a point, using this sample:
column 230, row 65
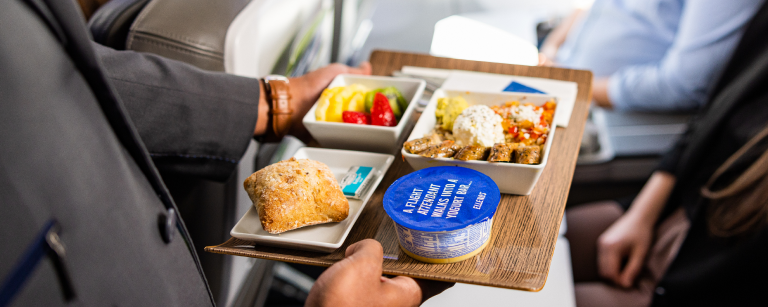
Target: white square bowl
column 325, row 237
column 512, row 178
column 366, row 137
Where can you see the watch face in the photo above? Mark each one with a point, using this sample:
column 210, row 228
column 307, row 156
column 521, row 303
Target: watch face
column 275, row 77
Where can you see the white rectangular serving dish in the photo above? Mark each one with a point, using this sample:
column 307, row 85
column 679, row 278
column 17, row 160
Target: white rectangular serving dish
column 366, row 137
column 512, row 178
column 326, row 237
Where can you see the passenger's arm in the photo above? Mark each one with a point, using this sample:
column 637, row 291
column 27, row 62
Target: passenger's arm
column 630, row 237
column 600, row 93
column 556, row 38
column 706, row 37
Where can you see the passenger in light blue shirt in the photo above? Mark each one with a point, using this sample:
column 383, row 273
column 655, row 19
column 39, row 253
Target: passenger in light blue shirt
column 652, row 55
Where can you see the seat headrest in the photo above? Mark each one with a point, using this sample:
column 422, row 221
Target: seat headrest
column 192, row 31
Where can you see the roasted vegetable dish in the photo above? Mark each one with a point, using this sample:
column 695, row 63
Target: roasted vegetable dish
column 507, row 133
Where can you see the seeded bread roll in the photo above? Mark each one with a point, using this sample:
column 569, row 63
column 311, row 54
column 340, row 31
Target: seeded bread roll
column 295, row 193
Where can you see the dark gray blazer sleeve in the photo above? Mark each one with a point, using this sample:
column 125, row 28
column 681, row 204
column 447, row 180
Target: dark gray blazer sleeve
column 193, row 122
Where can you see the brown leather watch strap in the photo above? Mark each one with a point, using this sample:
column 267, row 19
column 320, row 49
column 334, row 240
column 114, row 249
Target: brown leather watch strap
column 279, row 99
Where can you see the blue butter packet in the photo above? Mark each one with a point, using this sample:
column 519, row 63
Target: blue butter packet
column 356, row 181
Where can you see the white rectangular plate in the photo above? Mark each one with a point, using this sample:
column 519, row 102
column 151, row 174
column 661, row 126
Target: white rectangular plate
column 326, row 237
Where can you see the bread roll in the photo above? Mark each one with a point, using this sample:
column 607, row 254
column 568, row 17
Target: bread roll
column 296, row 193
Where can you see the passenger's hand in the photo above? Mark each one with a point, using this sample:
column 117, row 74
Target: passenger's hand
column 630, row 237
column 305, row 90
column 356, row 281
column 626, row 241
column 545, row 60
column 600, row 93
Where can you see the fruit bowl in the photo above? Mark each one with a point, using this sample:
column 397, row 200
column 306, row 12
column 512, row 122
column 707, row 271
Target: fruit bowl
column 366, row 137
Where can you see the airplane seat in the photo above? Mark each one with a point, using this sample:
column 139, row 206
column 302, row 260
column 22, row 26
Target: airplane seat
column 191, row 31
column 109, row 25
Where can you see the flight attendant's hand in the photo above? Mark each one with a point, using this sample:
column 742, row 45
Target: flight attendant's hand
column 356, row 281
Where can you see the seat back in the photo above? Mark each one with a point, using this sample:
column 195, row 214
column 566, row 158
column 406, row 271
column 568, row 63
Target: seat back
column 191, row 31
column 242, row 37
column 262, row 33
column 109, row 25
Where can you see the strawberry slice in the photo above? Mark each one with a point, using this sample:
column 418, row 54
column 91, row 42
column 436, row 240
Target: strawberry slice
column 353, row 117
column 381, row 112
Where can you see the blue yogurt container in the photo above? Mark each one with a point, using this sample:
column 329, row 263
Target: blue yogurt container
column 442, row 214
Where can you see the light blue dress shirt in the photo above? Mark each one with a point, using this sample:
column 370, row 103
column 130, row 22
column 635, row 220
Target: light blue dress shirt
column 660, row 55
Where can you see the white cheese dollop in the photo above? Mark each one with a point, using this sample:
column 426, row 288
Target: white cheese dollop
column 523, row 113
column 478, row 126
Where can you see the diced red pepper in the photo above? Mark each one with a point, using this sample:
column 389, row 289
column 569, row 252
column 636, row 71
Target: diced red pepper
column 381, row 112
column 353, row 117
column 513, row 130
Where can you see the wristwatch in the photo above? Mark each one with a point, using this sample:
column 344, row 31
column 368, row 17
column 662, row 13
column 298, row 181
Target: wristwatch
column 278, row 98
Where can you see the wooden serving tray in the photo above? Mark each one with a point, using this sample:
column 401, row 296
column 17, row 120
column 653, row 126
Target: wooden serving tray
column 525, row 228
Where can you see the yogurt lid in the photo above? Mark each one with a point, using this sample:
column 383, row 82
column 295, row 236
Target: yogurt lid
column 441, row 198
